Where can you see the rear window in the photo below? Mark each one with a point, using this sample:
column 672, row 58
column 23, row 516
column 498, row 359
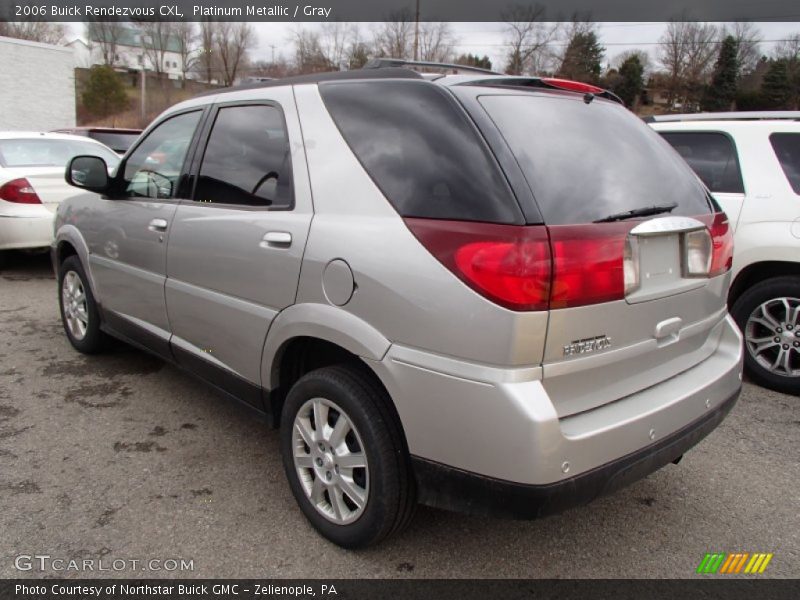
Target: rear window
column 49, row 152
column 787, row 149
column 421, row 150
column 712, row 156
column 587, row 162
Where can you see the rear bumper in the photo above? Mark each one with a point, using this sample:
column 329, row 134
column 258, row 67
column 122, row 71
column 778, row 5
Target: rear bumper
column 26, row 232
column 454, row 489
column 478, row 434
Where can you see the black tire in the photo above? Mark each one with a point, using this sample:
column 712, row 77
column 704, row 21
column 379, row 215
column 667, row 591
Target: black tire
column 391, row 498
column 94, row 340
column 743, row 308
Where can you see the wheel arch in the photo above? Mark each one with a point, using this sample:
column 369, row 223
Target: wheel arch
column 755, row 273
column 70, row 242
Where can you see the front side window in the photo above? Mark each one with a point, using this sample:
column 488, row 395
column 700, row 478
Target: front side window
column 787, row 149
column 152, row 171
column 712, row 156
column 247, row 160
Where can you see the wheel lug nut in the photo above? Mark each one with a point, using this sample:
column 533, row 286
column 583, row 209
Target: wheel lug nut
column 319, row 462
column 789, row 327
column 322, row 446
column 328, row 475
column 786, row 346
column 336, row 467
column 777, row 339
column 779, row 330
column 796, row 344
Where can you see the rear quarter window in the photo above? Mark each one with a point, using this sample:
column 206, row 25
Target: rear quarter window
column 586, row 162
column 712, row 155
column 421, row 150
column 787, row 149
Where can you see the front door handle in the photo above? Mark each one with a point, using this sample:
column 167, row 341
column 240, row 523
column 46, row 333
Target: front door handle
column 276, row 238
column 158, row 225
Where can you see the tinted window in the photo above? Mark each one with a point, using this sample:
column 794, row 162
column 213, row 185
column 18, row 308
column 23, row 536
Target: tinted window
column 787, row 149
column 247, row 159
column 586, row 162
column 153, row 169
column 712, row 156
column 421, row 150
column 119, row 142
column 27, row 152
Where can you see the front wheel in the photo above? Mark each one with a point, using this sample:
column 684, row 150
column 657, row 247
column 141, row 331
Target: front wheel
column 79, row 313
column 769, row 316
column 344, row 457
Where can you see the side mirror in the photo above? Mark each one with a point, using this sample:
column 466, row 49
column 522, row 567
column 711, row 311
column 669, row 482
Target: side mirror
column 88, row 172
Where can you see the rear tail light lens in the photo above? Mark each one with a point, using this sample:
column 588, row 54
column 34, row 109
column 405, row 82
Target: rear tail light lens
column 722, row 245
column 697, row 253
column 630, row 265
column 19, row 191
column 508, row 264
column 589, row 265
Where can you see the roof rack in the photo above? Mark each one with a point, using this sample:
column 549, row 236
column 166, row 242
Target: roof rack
column 756, row 115
column 386, row 63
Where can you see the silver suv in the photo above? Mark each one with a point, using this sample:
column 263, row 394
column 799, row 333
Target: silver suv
column 491, row 294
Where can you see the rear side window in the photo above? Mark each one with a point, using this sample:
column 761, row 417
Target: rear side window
column 712, row 155
column 787, row 149
column 587, row 162
column 421, row 150
column 247, row 159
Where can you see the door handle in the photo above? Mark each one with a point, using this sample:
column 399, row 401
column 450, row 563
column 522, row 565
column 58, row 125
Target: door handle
column 158, row 225
column 276, row 238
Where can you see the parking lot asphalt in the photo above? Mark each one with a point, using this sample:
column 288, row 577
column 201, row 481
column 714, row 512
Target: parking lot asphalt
column 121, row 456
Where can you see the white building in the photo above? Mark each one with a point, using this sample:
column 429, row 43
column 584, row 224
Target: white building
column 130, row 48
column 37, row 86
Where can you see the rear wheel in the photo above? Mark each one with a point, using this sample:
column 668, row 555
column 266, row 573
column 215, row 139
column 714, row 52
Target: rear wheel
column 344, row 457
column 769, row 316
column 79, row 313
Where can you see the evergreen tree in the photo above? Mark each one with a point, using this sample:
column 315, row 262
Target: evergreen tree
column 777, row 86
column 630, row 81
column 582, row 59
column 482, row 62
column 722, row 91
column 105, row 93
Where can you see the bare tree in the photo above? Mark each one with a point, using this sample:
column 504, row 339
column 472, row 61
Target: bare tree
column 207, row 62
column 233, row 41
column 33, row 31
column 686, row 51
column 186, row 39
column 436, row 42
column 748, row 39
column 308, row 54
column 394, row 38
column 334, row 40
column 529, row 39
column 788, row 49
column 107, row 35
column 156, row 39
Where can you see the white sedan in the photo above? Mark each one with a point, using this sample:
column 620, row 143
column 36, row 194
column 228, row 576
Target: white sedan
column 32, row 183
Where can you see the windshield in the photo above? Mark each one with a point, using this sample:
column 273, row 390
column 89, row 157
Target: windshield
column 44, row 152
column 589, row 162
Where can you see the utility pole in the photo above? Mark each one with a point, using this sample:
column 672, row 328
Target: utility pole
column 143, row 81
column 416, row 33
column 273, row 53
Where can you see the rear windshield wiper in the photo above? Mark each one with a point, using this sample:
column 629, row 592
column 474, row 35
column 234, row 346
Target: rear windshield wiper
column 638, row 212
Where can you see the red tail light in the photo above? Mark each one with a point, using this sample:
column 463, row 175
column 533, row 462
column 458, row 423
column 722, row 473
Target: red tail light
column 19, row 191
column 721, row 245
column 588, row 263
column 572, row 86
column 508, row 264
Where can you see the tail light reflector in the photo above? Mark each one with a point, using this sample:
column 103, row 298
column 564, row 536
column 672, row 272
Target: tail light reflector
column 19, row 191
column 508, row 264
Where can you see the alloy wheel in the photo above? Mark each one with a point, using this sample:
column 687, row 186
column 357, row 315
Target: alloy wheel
column 772, row 336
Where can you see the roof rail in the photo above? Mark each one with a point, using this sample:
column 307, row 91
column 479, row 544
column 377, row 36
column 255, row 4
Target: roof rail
column 756, row 115
column 385, row 63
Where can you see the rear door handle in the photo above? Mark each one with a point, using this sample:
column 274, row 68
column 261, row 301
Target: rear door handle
column 158, row 225
column 276, row 238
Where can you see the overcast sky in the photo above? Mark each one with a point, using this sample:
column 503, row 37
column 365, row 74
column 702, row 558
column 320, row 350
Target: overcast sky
column 488, row 38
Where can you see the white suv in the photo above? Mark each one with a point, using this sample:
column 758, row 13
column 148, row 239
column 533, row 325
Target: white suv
column 751, row 164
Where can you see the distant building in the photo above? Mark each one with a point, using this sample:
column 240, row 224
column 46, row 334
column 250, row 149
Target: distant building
column 37, row 86
column 128, row 49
